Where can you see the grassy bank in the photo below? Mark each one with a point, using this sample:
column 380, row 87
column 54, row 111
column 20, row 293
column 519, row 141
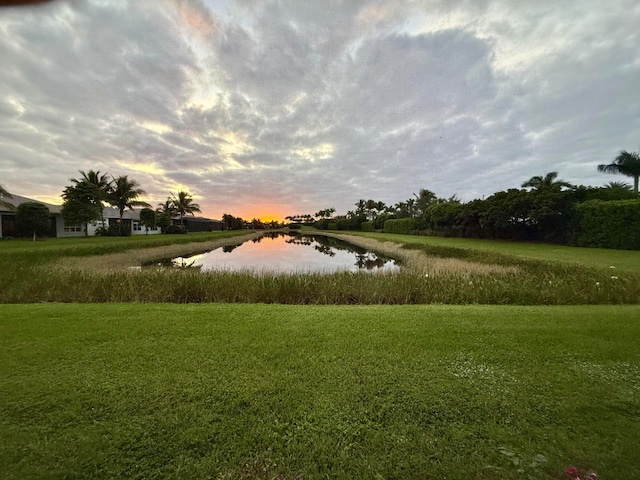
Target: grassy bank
column 626, row 260
column 76, row 270
column 255, row 391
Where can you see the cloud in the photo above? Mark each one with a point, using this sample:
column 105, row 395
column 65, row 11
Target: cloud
column 309, row 105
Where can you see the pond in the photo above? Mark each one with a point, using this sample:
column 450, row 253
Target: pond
column 282, row 252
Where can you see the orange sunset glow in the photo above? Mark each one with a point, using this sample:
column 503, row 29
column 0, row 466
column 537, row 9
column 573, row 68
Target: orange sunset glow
column 264, row 212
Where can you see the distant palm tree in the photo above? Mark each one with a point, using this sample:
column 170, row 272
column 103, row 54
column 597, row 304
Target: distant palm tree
column 183, row 205
column 5, row 194
column 101, row 185
column 619, row 187
column 627, row 163
column 548, row 182
column 424, row 198
column 124, row 194
column 167, row 208
column 164, row 213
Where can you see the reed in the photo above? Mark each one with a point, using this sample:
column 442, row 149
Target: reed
column 433, row 274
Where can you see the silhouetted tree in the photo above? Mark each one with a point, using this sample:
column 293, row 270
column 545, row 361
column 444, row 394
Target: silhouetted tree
column 124, row 194
column 33, row 217
column 548, row 182
column 101, row 188
column 424, row 198
column 183, row 203
column 148, row 219
column 626, row 163
column 80, row 206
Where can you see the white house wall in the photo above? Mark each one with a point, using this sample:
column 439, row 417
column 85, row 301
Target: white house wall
column 134, row 217
column 60, row 229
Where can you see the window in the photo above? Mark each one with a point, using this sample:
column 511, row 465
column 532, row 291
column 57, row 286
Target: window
column 72, row 228
column 136, row 226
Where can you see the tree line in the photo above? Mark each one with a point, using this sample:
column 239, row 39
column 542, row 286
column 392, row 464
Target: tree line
column 85, row 199
column 544, row 208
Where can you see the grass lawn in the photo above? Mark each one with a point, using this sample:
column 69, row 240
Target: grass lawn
column 627, row 260
column 78, row 270
column 273, row 391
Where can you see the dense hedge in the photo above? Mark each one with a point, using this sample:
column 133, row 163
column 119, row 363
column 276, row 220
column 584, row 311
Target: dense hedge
column 406, row 226
column 613, row 224
column 366, row 226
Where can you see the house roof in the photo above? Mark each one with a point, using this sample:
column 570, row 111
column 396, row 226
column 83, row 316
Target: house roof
column 108, row 212
column 16, row 200
column 199, row 219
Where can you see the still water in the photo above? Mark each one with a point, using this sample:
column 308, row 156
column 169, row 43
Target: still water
column 290, row 253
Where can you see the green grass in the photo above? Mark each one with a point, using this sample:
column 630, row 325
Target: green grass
column 256, row 391
column 31, row 274
column 52, row 248
column 626, row 260
column 149, row 390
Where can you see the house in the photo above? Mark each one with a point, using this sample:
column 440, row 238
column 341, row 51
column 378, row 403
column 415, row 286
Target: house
column 200, row 224
column 8, row 215
column 59, row 228
column 130, row 221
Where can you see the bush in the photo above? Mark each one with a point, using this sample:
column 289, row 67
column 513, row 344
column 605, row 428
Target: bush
column 322, row 224
column 32, row 218
column 175, row 229
column 366, row 226
column 295, row 226
column 113, row 231
column 378, row 223
column 406, row 226
column 612, row 224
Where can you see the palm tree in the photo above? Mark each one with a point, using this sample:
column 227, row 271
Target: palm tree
column 164, row 213
column 101, row 185
column 619, row 187
column 124, row 194
column 627, row 163
column 5, row 194
column 548, row 182
column 424, row 198
column 167, row 208
column 183, row 205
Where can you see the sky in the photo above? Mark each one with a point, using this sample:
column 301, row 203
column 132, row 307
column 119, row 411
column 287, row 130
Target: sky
column 268, row 108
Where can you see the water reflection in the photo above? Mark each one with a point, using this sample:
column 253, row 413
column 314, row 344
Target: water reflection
column 288, row 253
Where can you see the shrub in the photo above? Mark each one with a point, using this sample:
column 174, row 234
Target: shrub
column 322, row 224
column 32, row 218
column 612, row 224
column 175, row 229
column 407, row 226
column 378, row 223
column 113, row 231
column 366, row 226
